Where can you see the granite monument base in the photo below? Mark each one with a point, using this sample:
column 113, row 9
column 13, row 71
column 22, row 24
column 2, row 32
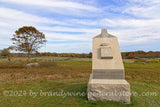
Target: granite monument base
column 108, row 90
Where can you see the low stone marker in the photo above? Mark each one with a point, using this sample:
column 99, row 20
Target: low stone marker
column 107, row 81
column 31, row 65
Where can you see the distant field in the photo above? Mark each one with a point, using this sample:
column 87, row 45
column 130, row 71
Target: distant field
column 72, row 76
column 82, row 59
column 32, row 58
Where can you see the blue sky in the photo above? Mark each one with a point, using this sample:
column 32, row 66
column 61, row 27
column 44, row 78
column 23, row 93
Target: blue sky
column 70, row 25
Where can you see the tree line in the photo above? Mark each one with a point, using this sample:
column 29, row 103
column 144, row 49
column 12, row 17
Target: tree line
column 125, row 55
column 140, row 54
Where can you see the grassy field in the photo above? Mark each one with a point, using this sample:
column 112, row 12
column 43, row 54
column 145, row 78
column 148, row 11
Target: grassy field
column 32, row 87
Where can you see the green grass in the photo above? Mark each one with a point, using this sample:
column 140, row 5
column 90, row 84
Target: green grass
column 72, row 76
column 32, row 58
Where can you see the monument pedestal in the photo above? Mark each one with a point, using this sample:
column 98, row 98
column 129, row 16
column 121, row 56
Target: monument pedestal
column 107, row 81
column 108, row 90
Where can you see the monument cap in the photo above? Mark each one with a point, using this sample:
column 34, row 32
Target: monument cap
column 104, row 33
column 103, row 30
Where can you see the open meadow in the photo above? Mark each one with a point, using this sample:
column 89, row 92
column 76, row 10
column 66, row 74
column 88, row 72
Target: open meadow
column 21, row 86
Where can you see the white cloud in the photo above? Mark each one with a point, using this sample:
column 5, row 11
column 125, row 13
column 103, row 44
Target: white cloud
column 69, row 29
column 143, row 8
column 14, row 19
column 18, row 17
column 145, row 2
column 141, row 30
column 68, row 47
column 54, row 4
column 132, row 23
column 142, row 26
column 144, row 12
column 57, row 6
column 10, row 22
column 67, row 37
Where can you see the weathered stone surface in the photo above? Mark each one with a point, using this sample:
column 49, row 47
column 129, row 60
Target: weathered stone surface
column 101, row 63
column 106, row 53
column 30, row 65
column 107, row 81
column 108, row 73
column 108, row 90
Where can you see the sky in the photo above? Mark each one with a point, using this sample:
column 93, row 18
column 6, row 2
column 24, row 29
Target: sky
column 70, row 25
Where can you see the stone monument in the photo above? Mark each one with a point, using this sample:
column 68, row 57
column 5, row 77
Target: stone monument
column 107, row 81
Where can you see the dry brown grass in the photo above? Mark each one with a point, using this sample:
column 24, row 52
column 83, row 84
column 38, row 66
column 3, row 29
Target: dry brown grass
column 72, row 69
column 46, row 71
